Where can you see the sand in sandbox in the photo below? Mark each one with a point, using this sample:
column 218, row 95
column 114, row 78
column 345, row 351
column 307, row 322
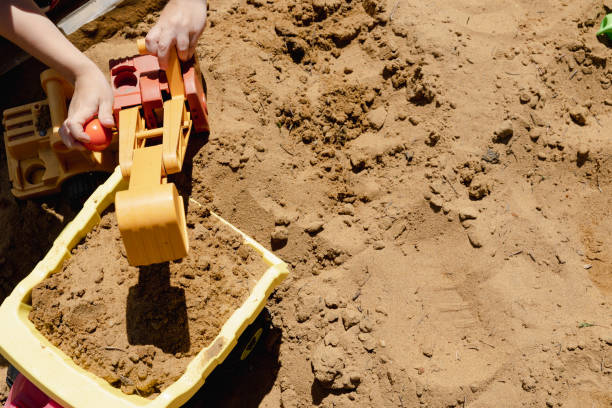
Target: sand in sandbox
column 138, row 328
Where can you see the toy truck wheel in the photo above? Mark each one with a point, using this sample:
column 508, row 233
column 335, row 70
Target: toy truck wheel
column 11, row 375
column 250, row 339
column 253, row 336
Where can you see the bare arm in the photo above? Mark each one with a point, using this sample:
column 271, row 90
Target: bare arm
column 22, row 22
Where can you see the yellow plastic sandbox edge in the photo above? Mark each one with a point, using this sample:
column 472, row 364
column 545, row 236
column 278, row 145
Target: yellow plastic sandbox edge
column 59, row 377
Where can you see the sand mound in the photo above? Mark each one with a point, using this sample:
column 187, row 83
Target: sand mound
column 438, row 176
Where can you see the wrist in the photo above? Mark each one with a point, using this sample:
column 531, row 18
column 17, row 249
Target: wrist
column 182, row 2
column 82, row 69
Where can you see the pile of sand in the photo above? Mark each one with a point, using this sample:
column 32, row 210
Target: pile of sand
column 437, row 174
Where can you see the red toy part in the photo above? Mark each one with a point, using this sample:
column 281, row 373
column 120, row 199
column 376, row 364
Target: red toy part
column 124, row 80
column 194, row 92
column 138, row 80
column 24, row 394
column 151, row 97
column 100, row 136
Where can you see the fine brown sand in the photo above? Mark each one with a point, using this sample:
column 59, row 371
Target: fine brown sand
column 438, row 176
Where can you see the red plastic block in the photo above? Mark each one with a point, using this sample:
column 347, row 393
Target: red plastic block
column 138, row 80
column 151, row 97
column 124, row 80
column 146, row 63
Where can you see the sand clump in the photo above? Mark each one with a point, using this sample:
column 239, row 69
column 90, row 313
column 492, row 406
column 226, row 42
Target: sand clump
column 138, row 328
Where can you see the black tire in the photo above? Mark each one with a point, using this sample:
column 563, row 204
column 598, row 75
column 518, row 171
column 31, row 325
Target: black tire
column 11, row 375
column 249, row 340
column 253, row 336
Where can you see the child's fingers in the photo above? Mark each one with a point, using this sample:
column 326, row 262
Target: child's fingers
column 166, row 41
column 182, row 46
column 63, row 131
column 152, row 39
column 75, row 127
column 68, row 140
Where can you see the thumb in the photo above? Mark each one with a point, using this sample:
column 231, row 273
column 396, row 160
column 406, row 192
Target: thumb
column 105, row 113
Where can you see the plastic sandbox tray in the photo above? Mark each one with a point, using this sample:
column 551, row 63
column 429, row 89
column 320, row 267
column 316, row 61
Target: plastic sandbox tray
column 54, row 373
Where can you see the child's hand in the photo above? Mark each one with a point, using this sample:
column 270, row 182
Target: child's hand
column 92, row 96
column 181, row 22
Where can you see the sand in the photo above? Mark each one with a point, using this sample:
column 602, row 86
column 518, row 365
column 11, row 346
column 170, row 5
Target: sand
column 437, row 174
column 139, row 327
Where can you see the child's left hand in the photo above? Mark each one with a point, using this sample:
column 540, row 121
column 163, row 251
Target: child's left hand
column 92, row 97
column 181, row 23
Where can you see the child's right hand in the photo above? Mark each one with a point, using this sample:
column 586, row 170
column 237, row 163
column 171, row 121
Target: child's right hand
column 180, row 24
column 92, row 96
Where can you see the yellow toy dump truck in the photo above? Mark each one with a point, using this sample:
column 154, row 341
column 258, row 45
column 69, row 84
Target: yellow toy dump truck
column 156, row 112
column 50, row 379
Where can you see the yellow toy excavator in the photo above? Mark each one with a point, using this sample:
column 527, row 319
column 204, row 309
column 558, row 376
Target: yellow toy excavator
column 150, row 214
column 155, row 111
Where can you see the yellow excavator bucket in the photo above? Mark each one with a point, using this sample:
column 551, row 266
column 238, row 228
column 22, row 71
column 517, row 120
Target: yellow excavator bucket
column 152, row 224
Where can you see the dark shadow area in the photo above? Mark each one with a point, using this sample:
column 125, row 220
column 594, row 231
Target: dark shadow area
column 278, row 242
column 79, row 188
column 239, row 386
column 21, row 85
column 605, row 40
column 3, row 362
column 11, row 375
column 184, row 179
column 12, row 56
column 156, row 312
column 29, row 227
column 581, row 158
column 435, row 207
column 205, row 87
column 319, row 393
column 62, row 9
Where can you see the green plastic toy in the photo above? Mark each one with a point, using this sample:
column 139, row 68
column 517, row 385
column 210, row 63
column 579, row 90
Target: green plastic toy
column 606, row 26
